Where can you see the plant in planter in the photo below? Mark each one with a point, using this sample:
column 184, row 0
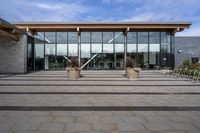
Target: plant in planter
column 73, row 70
column 132, row 71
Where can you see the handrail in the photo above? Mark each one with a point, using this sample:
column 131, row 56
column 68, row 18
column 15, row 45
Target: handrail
column 89, row 60
column 67, row 58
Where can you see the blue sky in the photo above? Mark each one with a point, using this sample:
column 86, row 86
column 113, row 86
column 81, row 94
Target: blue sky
column 104, row 10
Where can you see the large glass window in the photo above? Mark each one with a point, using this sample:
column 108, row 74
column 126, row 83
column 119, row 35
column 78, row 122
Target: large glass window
column 50, row 50
column 72, row 44
column 119, row 50
column 165, row 48
column 119, row 42
column 154, row 49
column 108, row 40
column 39, row 40
column 85, row 48
column 131, row 42
column 165, row 42
column 96, row 41
column 143, row 49
column 108, row 56
column 85, row 44
column 61, row 50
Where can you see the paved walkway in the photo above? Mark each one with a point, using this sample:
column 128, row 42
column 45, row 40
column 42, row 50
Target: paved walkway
column 98, row 102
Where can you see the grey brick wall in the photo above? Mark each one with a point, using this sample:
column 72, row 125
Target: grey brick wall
column 13, row 55
column 189, row 46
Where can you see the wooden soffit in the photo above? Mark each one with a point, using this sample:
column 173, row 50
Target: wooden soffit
column 9, row 31
column 39, row 27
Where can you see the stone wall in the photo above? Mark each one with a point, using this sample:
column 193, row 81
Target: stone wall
column 13, row 55
column 189, row 47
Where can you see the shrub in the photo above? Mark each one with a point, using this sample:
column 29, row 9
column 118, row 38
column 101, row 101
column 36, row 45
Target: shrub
column 74, row 62
column 186, row 63
column 130, row 62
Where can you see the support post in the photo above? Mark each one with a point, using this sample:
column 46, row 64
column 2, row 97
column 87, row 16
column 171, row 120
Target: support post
column 125, row 49
column 125, row 45
column 79, row 46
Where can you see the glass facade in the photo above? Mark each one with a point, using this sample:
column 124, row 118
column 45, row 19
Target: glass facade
column 100, row 50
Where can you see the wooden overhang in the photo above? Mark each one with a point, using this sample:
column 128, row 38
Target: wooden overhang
column 171, row 27
column 9, row 31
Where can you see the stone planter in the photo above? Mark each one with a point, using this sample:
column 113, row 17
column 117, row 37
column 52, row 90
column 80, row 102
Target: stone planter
column 132, row 73
column 73, row 73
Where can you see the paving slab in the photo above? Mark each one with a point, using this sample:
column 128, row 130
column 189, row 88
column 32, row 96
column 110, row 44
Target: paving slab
column 104, row 88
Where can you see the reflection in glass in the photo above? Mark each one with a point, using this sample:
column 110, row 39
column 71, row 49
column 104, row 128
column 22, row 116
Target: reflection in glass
column 131, row 48
column 85, row 50
column 50, row 60
column 165, row 48
column 30, row 57
column 96, row 48
column 39, row 41
column 154, row 49
column 108, row 56
column 108, row 42
column 96, row 42
column 119, row 50
column 62, row 49
column 39, row 56
column 132, row 45
column 165, row 42
column 143, row 49
column 73, row 50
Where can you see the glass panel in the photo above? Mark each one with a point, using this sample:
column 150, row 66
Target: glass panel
column 85, row 50
column 119, row 42
column 72, row 37
column 72, row 44
column 85, row 37
column 119, row 50
column 119, row 38
column 50, row 37
column 143, row 49
column 96, row 41
column 96, row 37
column 131, row 48
column 73, row 50
column 96, row 48
column 39, row 56
column 108, row 57
column 50, row 49
column 62, row 49
column 108, row 40
column 131, row 38
column 30, row 57
column 154, row 49
column 39, row 50
column 165, row 48
column 50, row 60
column 165, row 42
column 142, row 37
column 132, row 45
column 61, row 37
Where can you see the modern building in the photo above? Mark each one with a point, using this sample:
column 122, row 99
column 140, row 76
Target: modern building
column 28, row 46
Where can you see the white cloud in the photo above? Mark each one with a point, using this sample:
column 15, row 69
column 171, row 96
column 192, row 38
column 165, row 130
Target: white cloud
column 25, row 10
column 49, row 6
column 193, row 31
column 113, row 1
